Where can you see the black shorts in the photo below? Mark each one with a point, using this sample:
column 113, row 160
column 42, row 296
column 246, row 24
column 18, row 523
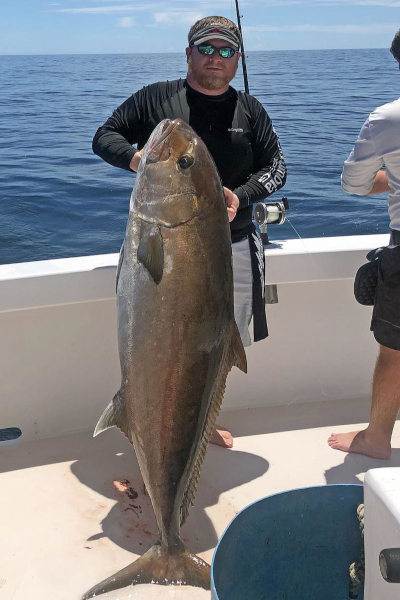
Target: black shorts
column 385, row 322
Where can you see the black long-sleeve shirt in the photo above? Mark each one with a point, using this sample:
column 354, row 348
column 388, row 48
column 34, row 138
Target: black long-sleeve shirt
column 234, row 126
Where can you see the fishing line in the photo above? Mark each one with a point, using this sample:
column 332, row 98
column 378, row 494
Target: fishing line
column 313, row 261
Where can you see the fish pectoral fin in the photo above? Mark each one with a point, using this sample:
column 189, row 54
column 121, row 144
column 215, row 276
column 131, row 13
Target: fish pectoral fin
column 151, row 252
column 239, row 354
column 157, row 566
column 113, row 416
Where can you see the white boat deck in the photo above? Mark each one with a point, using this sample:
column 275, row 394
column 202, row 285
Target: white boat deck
column 73, row 510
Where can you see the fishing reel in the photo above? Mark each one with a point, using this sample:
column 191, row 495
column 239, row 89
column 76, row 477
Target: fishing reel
column 268, row 213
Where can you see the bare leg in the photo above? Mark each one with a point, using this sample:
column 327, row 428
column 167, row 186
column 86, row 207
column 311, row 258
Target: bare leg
column 375, row 439
column 221, row 437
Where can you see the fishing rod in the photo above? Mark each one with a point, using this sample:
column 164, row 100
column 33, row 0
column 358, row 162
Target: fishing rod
column 264, row 213
column 246, row 83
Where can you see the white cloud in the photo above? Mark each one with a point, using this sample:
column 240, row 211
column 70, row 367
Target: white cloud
column 180, row 14
column 216, row 3
column 125, row 22
column 177, row 17
column 356, row 29
column 385, row 3
column 104, row 9
column 148, row 6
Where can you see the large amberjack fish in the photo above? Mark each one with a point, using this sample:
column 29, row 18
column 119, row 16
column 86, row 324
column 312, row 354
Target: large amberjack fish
column 177, row 339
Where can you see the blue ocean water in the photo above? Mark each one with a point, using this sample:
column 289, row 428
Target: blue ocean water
column 57, row 199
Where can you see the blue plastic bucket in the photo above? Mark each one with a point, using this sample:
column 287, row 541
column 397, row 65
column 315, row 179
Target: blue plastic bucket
column 296, row 545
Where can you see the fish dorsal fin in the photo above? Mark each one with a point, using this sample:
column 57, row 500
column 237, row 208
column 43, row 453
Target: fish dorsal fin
column 151, row 252
column 234, row 355
column 114, row 416
column 239, row 354
column 120, row 261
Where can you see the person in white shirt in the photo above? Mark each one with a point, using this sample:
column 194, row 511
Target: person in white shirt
column 373, row 167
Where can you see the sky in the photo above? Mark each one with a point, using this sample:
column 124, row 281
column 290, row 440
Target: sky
column 136, row 26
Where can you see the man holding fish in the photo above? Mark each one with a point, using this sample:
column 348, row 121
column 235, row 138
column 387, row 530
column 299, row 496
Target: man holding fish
column 240, row 137
column 202, row 149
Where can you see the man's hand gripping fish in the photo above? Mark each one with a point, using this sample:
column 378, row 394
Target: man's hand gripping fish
column 177, row 338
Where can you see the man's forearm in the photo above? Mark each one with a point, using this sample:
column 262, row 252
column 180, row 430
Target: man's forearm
column 381, row 183
column 264, row 183
column 113, row 148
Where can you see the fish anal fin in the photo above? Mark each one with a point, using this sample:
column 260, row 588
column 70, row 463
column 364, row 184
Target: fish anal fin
column 234, row 356
column 151, row 252
column 239, row 354
column 211, row 419
column 157, row 566
column 113, row 416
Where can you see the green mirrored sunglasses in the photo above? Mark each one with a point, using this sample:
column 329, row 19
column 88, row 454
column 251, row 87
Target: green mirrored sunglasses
column 209, row 50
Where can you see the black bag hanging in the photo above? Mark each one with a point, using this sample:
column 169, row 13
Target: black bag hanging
column 366, row 278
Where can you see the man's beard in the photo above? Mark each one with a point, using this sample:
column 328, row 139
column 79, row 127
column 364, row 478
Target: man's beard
column 209, row 82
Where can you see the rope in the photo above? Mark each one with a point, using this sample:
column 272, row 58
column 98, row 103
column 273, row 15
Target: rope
column 357, row 569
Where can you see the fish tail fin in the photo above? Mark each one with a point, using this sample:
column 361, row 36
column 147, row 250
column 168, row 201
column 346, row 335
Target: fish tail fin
column 160, row 567
column 113, row 416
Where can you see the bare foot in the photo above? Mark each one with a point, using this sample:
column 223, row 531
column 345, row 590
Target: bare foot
column 222, row 437
column 360, row 442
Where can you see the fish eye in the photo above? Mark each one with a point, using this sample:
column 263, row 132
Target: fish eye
column 186, row 161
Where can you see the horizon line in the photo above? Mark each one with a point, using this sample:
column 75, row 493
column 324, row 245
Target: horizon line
column 180, row 52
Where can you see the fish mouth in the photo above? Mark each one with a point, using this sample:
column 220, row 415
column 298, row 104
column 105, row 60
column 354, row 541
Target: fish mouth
column 158, row 150
column 165, row 134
